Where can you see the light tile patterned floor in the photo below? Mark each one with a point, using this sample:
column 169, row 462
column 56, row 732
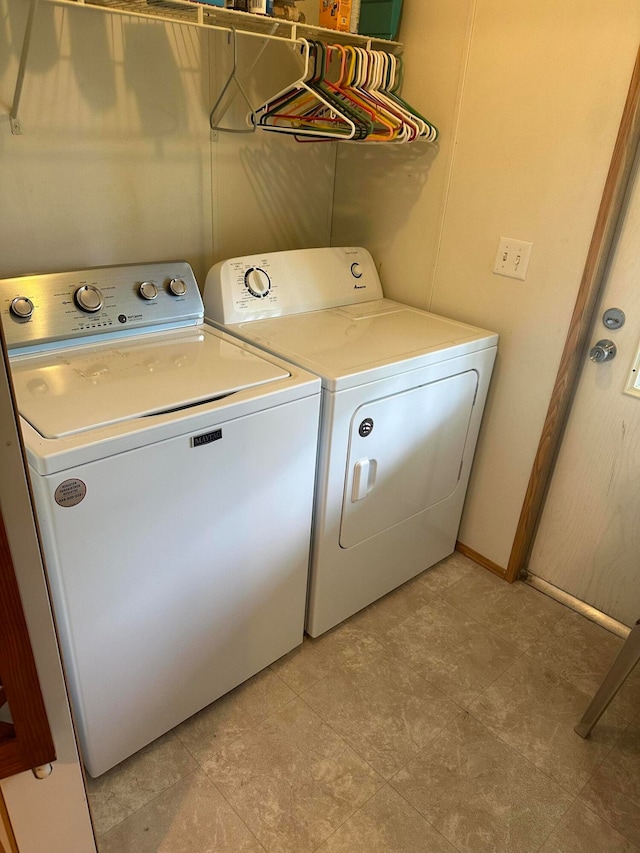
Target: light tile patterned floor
column 439, row 719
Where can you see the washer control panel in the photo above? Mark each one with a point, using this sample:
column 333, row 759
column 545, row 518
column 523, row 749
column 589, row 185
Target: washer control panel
column 261, row 286
column 43, row 309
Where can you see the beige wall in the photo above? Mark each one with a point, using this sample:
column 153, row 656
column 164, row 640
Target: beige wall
column 543, row 91
column 116, row 163
column 390, row 198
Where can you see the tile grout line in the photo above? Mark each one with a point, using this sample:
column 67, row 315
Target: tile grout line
column 346, row 743
column 416, row 668
column 485, row 627
column 234, row 810
column 103, row 835
column 154, row 797
column 242, row 734
column 456, row 700
column 572, row 686
column 231, row 743
column 477, row 622
column 415, row 808
column 568, row 680
column 604, row 820
column 613, row 746
column 348, row 818
column 557, row 825
column 352, row 746
column 524, row 757
column 418, row 812
column 329, row 667
column 293, row 699
column 503, row 596
column 537, row 770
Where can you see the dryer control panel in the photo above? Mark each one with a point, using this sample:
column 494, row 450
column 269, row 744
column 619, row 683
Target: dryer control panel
column 257, row 287
column 39, row 310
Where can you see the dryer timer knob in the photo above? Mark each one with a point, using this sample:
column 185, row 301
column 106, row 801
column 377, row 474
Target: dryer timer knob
column 257, row 282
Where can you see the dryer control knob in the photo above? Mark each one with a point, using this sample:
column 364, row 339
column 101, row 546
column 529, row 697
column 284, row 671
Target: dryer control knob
column 356, row 270
column 257, row 282
column 88, row 298
column 177, row 287
column 21, row 307
column 148, row 290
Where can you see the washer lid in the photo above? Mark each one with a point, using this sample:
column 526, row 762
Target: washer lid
column 360, row 343
column 75, row 390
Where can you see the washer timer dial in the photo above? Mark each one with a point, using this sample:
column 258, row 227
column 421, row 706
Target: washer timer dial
column 257, row 282
column 88, row 298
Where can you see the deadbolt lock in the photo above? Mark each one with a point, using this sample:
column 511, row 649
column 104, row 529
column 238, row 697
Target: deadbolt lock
column 613, row 318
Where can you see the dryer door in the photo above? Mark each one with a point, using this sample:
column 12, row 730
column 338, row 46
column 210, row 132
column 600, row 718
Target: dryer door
column 405, row 454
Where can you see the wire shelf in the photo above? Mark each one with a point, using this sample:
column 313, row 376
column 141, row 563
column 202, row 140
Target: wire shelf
column 216, row 17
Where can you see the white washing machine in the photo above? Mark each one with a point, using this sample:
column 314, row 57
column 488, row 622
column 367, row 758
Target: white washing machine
column 402, row 400
column 172, row 468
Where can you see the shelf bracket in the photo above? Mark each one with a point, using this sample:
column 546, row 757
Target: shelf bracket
column 26, row 44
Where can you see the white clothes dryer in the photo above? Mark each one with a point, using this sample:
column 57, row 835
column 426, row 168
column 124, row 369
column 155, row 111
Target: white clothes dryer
column 172, row 468
column 403, row 392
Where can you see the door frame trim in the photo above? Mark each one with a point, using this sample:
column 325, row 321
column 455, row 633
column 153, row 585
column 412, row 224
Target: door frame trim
column 591, row 285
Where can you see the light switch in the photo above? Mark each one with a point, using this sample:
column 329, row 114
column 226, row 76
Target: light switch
column 512, row 258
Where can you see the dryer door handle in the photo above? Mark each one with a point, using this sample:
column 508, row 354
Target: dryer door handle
column 364, row 478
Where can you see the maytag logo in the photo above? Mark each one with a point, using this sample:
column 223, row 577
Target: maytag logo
column 206, row 438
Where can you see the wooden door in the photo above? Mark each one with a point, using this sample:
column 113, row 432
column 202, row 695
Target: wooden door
column 588, row 541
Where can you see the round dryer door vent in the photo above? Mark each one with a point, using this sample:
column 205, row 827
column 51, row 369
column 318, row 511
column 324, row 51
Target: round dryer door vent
column 366, row 427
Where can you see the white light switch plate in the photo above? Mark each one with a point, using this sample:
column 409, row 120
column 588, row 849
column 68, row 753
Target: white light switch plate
column 512, row 258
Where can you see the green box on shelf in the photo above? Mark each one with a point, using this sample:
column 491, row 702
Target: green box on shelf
column 380, row 18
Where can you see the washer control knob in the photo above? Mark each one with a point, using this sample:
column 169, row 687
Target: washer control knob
column 88, row 298
column 257, row 282
column 148, row 290
column 21, row 307
column 356, row 270
column 177, row 287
